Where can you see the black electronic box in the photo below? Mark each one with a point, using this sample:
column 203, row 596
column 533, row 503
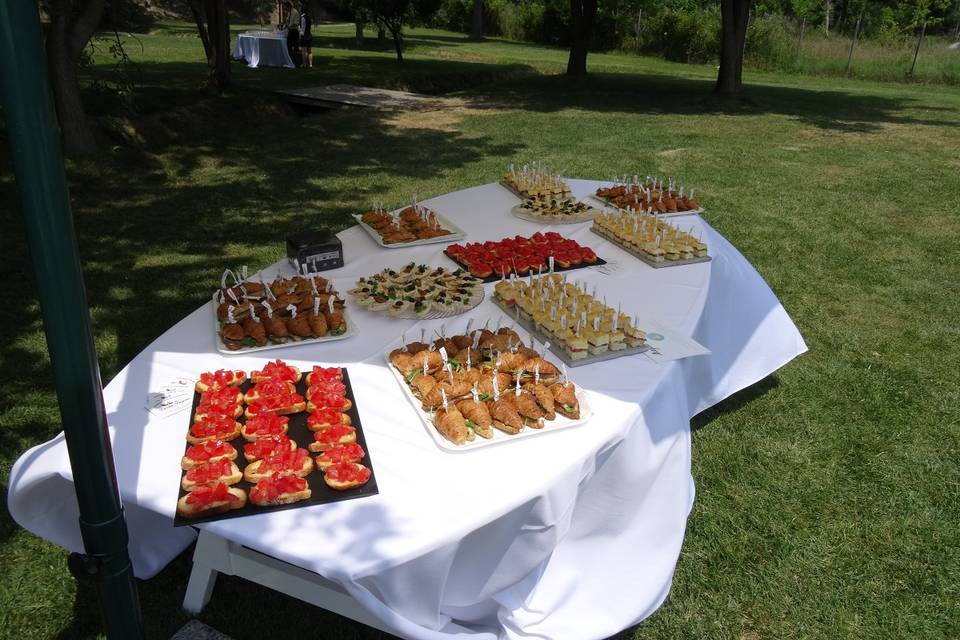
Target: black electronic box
column 318, row 250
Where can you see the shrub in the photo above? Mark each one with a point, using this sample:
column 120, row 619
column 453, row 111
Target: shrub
column 679, row 36
column 770, row 45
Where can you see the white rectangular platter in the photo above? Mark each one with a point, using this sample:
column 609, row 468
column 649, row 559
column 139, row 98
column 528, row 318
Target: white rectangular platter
column 458, row 233
column 667, row 214
column 499, row 437
column 556, row 350
column 645, row 258
column 222, row 348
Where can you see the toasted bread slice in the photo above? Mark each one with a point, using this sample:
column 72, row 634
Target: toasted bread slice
column 232, row 475
column 269, row 388
column 264, row 426
column 340, row 453
column 260, row 469
column 294, row 407
column 234, row 498
column 214, row 450
column 325, row 418
column 277, row 370
column 220, row 378
column 334, row 401
column 279, row 490
column 346, row 475
column 264, row 447
column 331, row 437
column 320, row 374
column 229, row 432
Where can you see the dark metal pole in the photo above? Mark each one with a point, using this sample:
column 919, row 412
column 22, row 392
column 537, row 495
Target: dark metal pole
column 853, row 43
column 41, row 181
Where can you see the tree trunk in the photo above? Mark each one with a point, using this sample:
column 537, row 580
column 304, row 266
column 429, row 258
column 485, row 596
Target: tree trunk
column 397, row 34
column 476, row 27
column 734, row 15
column 582, row 15
column 68, row 37
column 218, row 28
column 381, row 34
column 358, row 32
column 828, row 7
column 196, row 9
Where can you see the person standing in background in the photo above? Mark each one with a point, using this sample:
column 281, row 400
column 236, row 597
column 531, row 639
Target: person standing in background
column 293, row 32
column 306, row 37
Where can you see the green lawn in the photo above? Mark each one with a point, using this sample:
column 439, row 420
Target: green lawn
column 827, row 495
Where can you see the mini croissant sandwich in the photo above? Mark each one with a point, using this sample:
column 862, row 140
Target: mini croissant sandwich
column 452, row 425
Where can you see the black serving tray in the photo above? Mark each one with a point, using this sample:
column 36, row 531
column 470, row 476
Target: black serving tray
column 556, row 268
column 298, row 432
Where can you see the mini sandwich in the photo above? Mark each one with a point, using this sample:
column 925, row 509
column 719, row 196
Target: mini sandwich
column 210, row 474
column 346, row 475
column 575, row 346
column 452, row 425
column 566, row 402
column 277, row 490
column 598, row 342
column 286, row 463
column 207, row 501
column 634, row 336
column 617, row 340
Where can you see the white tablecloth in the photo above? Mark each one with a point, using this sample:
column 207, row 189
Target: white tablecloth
column 571, row 535
column 263, row 50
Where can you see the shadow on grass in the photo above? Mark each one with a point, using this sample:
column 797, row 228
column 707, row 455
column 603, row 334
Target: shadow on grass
column 735, row 402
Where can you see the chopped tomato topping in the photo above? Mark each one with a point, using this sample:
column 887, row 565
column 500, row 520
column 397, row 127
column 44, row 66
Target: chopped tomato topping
column 332, row 435
column 333, row 400
column 210, row 471
column 325, row 373
column 327, row 386
column 277, row 370
column 213, row 425
column 284, row 462
column 265, row 424
column 348, row 472
column 324, row 416
column 266, row 446
column 219, row 378
column 205, row 496
column 207, row 450
column 275, row 403
column 271, row 488
column 344, row 453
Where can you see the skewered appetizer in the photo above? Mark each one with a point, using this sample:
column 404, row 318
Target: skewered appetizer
column 647, row 233
column 569, row 316
column 650, row 194
column 534, row 180
column 257, row 314
column 482, row 381
column 554, row 209
column 410, row 224
column 520, row 255
column 419, row 290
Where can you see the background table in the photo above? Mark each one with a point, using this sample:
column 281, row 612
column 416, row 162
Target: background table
column 571, row 535
column 263, row 48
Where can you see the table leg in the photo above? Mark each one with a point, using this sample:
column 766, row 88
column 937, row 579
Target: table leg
column 200, row 587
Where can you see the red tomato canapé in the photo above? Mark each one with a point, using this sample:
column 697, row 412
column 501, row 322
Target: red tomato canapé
column 269, row 489
column 348, row 472
column 332, row 435
column 343, row 453
column 207, row 450
column 210, row 471
column 204, row 497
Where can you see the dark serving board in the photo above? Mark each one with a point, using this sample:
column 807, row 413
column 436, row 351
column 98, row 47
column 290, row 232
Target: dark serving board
column 298, row 432
column 556, row 267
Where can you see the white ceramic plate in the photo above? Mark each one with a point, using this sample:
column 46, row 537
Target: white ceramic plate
column 499, row 437
column 458, row 233
column 222, row 348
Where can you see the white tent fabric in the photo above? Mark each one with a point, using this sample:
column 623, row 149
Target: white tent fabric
column 263, row 49
column 571, row 535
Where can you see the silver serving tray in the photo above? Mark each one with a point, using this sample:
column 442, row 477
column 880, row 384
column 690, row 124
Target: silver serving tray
column 643, row 256
column 458, row 233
